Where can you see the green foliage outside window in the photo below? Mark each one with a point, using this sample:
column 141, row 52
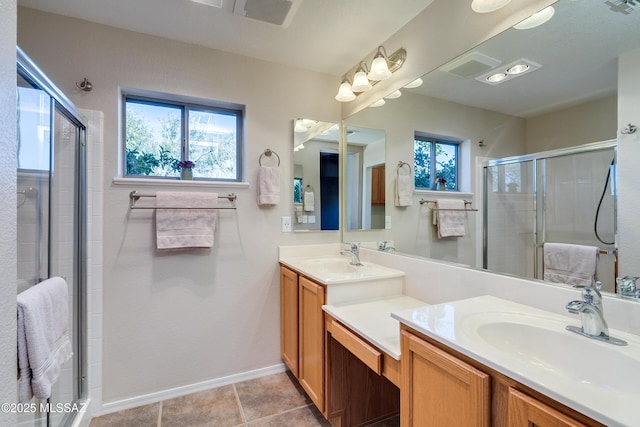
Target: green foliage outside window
column 434, row 160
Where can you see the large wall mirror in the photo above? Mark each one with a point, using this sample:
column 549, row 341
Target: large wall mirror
column 316, row 175
column 365, row 178
column 525, row 92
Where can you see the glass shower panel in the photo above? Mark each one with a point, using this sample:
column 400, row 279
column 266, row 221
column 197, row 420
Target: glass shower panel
column 577, row 189
column 509, row 218
column 50, row 224
column 34, row 142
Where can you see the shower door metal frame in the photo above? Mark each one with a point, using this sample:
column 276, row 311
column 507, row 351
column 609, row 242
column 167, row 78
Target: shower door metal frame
column 541, row 158
column 28, row 70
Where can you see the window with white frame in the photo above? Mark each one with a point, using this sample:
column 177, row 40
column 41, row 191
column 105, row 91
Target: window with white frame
column 163, row 133
column 436, row 161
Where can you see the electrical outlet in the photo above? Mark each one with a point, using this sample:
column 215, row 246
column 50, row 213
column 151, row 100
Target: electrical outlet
column 387, row 222
column 286, row 224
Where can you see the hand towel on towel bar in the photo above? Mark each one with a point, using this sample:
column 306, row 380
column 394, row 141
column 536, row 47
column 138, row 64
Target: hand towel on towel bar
column 268, row 186
column 570, row 264
column 404, row 190
column 185, row 228
column 449, row 218
column 43, row 337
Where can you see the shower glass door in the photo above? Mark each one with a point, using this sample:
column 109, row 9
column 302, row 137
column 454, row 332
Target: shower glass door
column 50, row 233
column 560, row 196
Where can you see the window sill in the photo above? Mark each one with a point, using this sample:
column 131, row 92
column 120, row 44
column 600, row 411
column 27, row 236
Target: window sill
column 177, row 183
column 445, row 193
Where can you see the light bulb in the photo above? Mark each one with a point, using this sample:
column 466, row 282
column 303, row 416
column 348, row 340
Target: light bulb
column 416, row 83
column 379, row 103
column 393, row 95
column 360, row 82
column 486, row 6
column 536, row 19
column 345, row 94
column 379, row 68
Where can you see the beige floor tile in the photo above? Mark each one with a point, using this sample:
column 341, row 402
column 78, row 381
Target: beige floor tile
column 308, row 416
column 270, row 395
column 216, row 407
column 142, row 416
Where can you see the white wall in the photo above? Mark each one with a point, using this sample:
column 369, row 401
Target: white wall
column 628, row 163
column 172, row 320
column 8, row 161
column 591, row 121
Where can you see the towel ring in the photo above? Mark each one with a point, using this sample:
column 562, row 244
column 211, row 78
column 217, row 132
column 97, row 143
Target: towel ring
column 268, row 152
column 401, row 164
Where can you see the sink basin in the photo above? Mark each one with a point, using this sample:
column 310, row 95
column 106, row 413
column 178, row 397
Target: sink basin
column 543, row 343
column 339, row 269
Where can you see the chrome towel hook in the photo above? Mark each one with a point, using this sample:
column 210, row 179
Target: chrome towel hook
column 629, row 130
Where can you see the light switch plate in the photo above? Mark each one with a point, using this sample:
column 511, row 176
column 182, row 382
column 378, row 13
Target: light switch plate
column 387, row 222
column 286, row 224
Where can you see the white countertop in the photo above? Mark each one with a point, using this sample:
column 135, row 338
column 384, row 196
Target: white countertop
column 608, row 402
column 372, row 320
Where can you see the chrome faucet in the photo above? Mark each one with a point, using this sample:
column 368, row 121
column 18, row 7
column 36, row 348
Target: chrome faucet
column 627, row 287
column 591, row 315
column 354, row 251
column 385, row 247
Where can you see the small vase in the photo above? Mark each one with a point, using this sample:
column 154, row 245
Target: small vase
column 441, row 186
column 186, row 174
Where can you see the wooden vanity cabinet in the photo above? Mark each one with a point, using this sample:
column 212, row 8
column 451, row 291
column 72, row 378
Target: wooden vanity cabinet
column 302, row 331
column 437, row 389
column 441, row 387
column 378, row 184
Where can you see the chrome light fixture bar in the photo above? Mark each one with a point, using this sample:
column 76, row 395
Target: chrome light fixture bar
column 382, row 67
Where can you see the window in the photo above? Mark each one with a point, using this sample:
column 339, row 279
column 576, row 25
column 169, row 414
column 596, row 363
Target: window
column 435, row 158
column 161, row 131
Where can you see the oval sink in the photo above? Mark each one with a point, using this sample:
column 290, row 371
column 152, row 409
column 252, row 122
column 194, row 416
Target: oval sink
column 546, row 344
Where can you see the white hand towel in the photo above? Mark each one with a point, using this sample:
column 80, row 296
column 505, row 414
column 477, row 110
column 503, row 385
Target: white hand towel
column 404, row 190
column 308, row 200
column 185, row 228
column 449, row 218
column 43, row 337
column 570, row 264
column 268, row 186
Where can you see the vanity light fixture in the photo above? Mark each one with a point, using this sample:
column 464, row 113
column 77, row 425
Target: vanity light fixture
column 393, row 95
column 536, row 19
column 345, row 94
column 486, row 6
column 360, row 80
column 416, row 83
column 304, row 125
column 382, row 67
column 379, row 103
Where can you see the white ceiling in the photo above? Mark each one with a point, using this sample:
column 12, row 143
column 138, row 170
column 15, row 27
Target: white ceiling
column 329, row 36
column 578, row 50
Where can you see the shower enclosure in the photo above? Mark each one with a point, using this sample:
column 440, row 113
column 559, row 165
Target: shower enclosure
column 561, row 196
column 51, row 220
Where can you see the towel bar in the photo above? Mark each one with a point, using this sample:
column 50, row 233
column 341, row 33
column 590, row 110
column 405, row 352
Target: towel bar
column 600, row 251
column 134, row 196
column 423, row 201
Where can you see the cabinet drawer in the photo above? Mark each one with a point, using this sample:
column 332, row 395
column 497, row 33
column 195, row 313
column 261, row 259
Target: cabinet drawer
column 369, row 355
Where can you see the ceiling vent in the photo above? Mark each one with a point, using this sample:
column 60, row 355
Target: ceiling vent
column 470, row 65
column 623, row 6
column 277, row 12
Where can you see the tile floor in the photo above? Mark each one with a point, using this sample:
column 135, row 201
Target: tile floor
column 272, row 401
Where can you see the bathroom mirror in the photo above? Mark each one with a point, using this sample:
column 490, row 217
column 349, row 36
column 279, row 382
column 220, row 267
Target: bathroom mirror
column 365, row 178
column 316, row 175
column 566, row 98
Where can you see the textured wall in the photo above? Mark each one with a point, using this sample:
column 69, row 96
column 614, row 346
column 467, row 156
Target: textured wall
column 8, row 207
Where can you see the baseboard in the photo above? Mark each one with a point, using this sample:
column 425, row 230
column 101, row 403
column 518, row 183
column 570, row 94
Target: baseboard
column 146, row 399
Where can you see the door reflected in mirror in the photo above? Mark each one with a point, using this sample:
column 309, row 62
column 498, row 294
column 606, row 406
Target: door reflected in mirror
column 316, row 176
column 365, row 192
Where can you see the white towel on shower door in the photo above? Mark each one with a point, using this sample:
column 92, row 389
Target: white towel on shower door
column 189, row 227
column 570, row 264
column 43, row 337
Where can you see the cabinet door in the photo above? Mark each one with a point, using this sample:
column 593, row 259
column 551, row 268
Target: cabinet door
column 378, row 185
column 438, row 389
column 289, row 318
column 311, row 366
column 525, row 411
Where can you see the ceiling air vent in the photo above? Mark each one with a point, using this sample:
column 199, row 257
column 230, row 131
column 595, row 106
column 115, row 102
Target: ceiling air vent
column 471, row 65
column 277, row 12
